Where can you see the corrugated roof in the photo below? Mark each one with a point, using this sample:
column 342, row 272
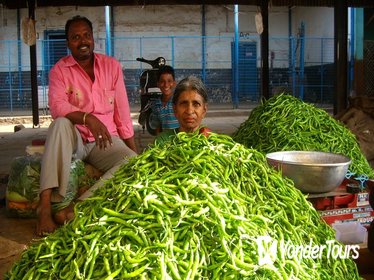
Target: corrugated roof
column 13, row 4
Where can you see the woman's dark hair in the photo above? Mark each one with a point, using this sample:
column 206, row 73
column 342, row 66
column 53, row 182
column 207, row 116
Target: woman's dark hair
column 75, row 19
column 190, row 83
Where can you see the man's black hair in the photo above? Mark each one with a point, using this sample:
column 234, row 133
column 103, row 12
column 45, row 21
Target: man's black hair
column 75, row 19
column 166, row 69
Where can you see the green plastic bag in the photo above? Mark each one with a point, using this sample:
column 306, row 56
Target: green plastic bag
column 22, row 194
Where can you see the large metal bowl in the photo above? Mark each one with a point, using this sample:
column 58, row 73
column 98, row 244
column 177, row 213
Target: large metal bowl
column 311, row 172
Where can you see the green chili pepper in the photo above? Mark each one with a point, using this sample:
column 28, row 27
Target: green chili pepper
column 193, row 212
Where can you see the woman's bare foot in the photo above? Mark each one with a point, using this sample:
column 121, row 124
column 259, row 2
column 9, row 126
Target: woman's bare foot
column 45, row 223
column 64, row 215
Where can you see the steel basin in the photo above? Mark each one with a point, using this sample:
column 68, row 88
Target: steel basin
column 311, row 171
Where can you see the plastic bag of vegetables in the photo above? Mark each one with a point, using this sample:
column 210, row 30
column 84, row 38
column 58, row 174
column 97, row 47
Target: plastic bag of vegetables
column 23, row 186
column 22, row 194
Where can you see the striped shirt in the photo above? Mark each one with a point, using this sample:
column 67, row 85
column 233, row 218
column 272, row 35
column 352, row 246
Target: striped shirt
column 166, row 114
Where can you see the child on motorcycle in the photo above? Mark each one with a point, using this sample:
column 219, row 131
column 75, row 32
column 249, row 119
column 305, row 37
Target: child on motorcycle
column 163, row 107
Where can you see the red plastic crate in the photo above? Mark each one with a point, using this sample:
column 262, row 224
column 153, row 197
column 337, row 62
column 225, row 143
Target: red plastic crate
column 341, row 206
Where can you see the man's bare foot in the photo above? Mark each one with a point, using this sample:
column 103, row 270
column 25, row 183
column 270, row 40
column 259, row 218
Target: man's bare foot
column 64, row 215
column 45, row 223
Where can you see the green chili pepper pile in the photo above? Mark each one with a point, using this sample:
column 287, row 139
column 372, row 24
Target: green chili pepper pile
column 192, row 209
column 285, row 123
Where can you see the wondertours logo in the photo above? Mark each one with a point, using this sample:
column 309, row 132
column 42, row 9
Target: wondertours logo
column 270, row 248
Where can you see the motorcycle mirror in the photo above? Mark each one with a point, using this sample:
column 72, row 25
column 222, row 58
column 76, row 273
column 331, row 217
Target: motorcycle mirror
column 161, row 61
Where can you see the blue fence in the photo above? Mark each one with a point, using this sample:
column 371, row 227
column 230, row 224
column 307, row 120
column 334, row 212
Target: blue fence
column 301, row 66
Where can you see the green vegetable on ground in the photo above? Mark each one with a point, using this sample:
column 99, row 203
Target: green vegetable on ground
column 22, row 193
column 195, row 208
column 286, row 123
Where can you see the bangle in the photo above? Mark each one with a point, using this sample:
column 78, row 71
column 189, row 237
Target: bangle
column 84, row 118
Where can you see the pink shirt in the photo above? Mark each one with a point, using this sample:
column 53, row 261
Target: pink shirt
column 71, row 89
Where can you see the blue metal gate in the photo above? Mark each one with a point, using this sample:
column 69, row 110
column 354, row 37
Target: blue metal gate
column 247, row 64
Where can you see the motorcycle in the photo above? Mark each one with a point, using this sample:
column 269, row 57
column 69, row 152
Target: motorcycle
column 149, row 93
